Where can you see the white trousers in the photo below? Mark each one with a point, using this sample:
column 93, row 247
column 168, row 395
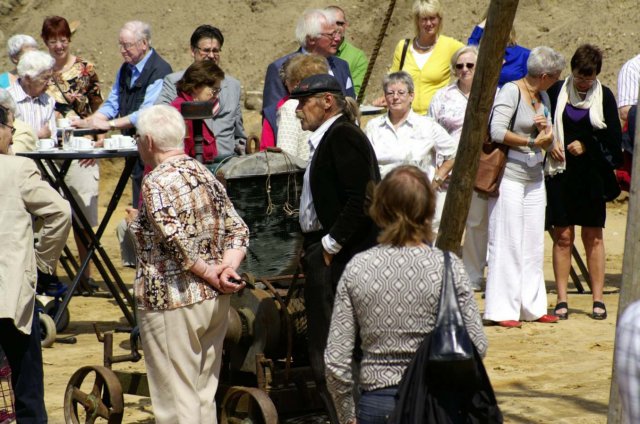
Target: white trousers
column 476, row 233
column 515, row 275
column 183, row 353
column 441, row 196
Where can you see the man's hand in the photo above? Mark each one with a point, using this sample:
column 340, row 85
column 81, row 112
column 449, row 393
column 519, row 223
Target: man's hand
column 44, row 132
column 328, row 257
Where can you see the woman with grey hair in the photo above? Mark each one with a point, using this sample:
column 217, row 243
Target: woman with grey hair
column 24, row 138
column 521, row 120
column 189, row 242
column 16, row 47
column 402, row 137
column 34, row 105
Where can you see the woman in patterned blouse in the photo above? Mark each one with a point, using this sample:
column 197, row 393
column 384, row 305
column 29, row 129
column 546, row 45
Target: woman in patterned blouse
column 389, row 295
column 189, row 241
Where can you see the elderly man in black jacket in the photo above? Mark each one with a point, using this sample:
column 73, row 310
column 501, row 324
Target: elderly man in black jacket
column 332, row 207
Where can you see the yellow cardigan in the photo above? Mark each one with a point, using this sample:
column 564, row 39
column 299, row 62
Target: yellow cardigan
column 434, row 74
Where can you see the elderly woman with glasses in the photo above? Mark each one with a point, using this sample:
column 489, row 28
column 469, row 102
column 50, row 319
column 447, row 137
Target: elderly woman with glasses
column 189, row 242
column 201, row 83
column 520, row 119
column 17, row 45
column 586, row 130
column 402, row 137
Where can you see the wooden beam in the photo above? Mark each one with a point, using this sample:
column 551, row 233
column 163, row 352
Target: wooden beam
column 630, row 287
column 494, row 41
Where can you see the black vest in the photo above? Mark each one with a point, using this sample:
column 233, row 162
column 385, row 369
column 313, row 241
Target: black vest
column 130, row 98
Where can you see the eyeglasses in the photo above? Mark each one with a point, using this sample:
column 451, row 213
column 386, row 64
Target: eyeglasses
column 62, row 41
column 13, row 129
column 469, row 66
column 400, row 93
column 127, row 46
column 332, row 35
column 214, row 91
column 588, row 81
column 207, row 52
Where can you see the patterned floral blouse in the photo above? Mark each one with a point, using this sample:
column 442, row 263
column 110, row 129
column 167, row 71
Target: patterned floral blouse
column 186, row 215
column 81, row 90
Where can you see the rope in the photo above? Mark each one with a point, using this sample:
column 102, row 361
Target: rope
column 288, row 209
column 376, row 49
column 267, row 183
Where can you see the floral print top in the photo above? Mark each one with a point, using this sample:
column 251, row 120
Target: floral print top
column 81, row 89
column 185, row 215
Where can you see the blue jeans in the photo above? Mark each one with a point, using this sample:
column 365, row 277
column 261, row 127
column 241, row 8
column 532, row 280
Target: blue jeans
column 376, row 406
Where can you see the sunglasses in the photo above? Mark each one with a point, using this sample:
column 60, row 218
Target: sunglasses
column 462, row 65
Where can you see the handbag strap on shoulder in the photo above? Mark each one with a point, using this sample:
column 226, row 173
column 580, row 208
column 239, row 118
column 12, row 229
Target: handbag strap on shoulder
column 404, row 52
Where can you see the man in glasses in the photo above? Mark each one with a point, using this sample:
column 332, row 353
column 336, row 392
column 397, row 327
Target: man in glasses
column 136, row 86
column 355, row 57
column 226, row 124
column 317, row 33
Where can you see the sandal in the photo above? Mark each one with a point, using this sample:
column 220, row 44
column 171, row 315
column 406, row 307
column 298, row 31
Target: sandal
column 561, row 305
column 599, row 315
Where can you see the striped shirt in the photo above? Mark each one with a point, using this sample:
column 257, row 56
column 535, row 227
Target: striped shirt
column 35, row 111
column 628, row 82
column 627, row 362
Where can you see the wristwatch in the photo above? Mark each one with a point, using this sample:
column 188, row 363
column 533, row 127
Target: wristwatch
column 531, row 143
column 112, row 125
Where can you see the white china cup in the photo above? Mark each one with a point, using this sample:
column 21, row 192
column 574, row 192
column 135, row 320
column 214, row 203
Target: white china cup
column 111, row 143
column 81, row 143
column 46, row 144
column 63, row 122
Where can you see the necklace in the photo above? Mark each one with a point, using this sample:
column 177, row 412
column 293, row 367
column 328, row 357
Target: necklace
column 421, row 47
column 532, row 93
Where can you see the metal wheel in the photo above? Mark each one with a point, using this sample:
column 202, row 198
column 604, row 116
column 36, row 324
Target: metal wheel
column 103, row 399
column 51, row 309
column 247, row 405
column 47, row 330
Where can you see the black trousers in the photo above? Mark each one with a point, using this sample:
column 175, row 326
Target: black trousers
column 319, row 292
column 25, row 358
column 136, row 183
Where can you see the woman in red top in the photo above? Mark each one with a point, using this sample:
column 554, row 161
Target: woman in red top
column 200, row 82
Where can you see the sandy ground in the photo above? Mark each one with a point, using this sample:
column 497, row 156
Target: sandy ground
column 542, row 373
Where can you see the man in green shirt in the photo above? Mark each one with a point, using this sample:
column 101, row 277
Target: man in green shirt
column 355, row 57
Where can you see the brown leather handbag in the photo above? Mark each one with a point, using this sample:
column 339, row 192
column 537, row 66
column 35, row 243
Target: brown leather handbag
column 492, row 161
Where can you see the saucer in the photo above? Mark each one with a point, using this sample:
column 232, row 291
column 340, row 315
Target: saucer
column 48, row 149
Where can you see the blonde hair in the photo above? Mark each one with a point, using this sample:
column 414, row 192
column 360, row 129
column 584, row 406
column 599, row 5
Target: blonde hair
column 426, row 8
column 462, row 50
column 305, row 65
column 403, row 207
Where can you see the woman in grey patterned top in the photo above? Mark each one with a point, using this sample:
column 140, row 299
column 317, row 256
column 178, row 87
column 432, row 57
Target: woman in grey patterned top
column 389, row 296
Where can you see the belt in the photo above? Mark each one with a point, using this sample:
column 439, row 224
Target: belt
column 531, row 159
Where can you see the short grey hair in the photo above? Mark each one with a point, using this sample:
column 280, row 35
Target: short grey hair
column 400, row 76
column 164, row 124
column 140, row 30
column 460, row 52
column 7, row 102
column 34, row 63
column 310, row 24
column 18, row 42
column 544, row 60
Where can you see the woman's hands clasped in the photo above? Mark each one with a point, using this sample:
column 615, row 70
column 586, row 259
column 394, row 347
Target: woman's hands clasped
column 221, row 277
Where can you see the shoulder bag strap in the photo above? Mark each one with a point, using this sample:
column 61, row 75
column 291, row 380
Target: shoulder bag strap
column 404, row 52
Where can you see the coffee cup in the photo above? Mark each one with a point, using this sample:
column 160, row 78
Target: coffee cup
column 111, row 143
column 81, row 143
column 126, row 142
column 46, row 144
column 63, row 122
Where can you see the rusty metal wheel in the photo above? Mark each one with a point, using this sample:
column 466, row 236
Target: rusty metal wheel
column 247, row 405
column 98, row 392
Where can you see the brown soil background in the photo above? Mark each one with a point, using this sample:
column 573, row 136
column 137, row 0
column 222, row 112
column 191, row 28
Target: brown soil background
column 541, row 373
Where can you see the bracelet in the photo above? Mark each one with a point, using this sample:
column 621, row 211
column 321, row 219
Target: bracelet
column 531, row 143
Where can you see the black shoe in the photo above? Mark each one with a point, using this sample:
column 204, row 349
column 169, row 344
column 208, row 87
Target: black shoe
column 599, row 315
column 561, row 305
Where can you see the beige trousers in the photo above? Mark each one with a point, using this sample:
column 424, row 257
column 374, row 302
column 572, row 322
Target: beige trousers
column 183, row 353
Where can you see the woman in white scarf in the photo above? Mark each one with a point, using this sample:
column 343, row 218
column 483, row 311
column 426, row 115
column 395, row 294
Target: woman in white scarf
column 585, row 124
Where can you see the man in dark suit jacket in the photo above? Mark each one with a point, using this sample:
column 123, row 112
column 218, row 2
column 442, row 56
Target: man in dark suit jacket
column 317, row 33
column 333, row 214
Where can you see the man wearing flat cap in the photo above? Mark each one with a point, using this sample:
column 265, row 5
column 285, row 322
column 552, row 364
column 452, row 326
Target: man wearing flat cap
column 332, row 207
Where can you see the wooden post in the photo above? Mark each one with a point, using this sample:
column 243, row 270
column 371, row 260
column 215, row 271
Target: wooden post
column 630, row 287
column 494, row 41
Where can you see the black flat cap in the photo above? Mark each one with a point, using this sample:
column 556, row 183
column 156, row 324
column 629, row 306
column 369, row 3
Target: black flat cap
column 320, row 83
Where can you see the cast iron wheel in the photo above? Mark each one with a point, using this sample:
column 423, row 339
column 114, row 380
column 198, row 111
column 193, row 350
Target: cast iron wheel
column 104, row 400
column 247, row 405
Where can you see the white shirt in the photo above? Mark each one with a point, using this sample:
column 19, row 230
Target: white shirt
column 308, row 218
column 35, row 111
column 628, row 82
column 418, row 141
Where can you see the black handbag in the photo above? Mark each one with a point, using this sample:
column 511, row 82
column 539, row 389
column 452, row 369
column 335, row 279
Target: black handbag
column 450, row 340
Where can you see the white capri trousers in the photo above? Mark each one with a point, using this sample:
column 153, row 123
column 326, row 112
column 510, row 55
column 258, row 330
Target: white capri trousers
column 515, row 276
column 476, row 233
column 183, row 354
